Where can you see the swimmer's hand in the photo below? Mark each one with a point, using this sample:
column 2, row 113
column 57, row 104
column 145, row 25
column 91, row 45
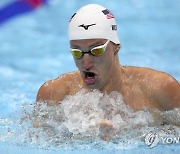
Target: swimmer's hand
column 106, row 130
column 36, row 124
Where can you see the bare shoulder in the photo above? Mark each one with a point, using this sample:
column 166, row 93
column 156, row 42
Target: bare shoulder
column 164, row 88
column 167, row 93
column 151, row 75
column 55, row 90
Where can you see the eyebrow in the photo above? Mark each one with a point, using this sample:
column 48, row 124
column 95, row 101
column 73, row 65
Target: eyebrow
column 90, row 47
column 96, row 44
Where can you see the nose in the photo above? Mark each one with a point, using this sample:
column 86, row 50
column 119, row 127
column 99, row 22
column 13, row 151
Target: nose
column 87, row 61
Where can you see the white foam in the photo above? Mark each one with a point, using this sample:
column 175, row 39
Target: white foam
column 85, row 119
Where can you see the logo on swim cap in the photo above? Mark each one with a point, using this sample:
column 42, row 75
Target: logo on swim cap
column 72, row 16
column 108, row 14
column 86, row 26
column 93, row 22
column 114, row 27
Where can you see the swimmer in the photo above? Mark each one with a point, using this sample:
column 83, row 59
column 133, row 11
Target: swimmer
column 94, row 45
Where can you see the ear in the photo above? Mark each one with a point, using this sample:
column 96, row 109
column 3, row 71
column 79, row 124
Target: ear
column 117, row 48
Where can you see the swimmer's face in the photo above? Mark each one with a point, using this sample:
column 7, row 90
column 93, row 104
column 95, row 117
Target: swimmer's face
column 95, row 70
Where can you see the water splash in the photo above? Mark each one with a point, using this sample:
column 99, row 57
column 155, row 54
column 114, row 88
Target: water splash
column 86, row 120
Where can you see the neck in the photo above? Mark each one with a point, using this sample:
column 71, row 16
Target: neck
column 115, row 80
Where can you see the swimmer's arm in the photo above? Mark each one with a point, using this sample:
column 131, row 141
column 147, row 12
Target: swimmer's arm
column 45, row 93
column 52, row 92
column 168, row 94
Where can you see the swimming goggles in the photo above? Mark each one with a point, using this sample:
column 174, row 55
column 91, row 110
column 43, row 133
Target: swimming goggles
column 96, row 51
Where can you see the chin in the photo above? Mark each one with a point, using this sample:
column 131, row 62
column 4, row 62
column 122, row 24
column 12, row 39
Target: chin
column 93, row 86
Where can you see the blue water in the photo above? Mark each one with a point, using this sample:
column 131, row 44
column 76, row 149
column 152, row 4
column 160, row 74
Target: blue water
column 34, row 48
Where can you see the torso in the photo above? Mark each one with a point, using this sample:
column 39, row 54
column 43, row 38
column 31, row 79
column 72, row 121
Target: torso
column 136, row 89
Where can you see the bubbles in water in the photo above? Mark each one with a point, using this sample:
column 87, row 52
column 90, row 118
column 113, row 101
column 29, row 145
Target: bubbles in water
column 87, row 119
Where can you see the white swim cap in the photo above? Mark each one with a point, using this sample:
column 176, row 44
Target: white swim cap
column 92, row 22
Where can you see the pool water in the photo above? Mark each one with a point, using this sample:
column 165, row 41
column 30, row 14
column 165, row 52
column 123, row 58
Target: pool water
column 34, row 48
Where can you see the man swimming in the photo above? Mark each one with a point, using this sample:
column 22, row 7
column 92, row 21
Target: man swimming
column 94, row 45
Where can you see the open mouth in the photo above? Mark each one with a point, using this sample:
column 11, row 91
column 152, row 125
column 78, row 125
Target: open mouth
column 89, row 77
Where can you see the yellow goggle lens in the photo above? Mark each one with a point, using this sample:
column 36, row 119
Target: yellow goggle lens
column 77, row 53
column 97, row 52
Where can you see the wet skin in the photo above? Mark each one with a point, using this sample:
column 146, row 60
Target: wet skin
column 140, row 87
